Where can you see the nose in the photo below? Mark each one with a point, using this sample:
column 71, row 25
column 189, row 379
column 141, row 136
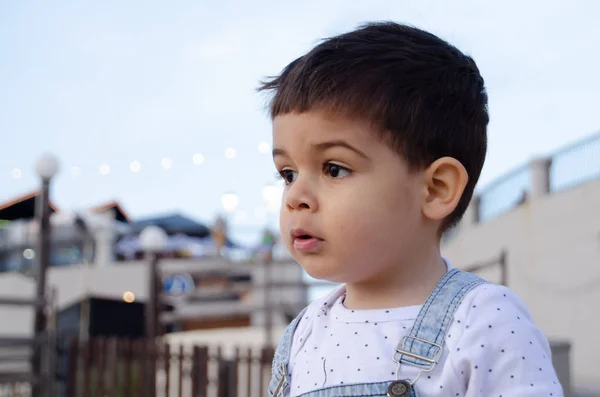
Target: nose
column 300, row 196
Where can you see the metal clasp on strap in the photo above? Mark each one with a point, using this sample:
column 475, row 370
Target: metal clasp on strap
column 432, row 361
column 282, row 382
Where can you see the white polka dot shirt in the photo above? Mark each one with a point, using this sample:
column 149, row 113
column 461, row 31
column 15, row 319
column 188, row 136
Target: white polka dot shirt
column 491, row 349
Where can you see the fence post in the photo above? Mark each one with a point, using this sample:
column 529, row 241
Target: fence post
column 503, row 268
column 99, row 362
column 228, row 385
column 223, row 375
column 73, row 368
column 233, row 373
column 167, row 367
column 540, row 176
column 200, row 371
column 266, row 359
column 472, row 213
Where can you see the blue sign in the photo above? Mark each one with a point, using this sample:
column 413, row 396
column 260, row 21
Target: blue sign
column 178, row 284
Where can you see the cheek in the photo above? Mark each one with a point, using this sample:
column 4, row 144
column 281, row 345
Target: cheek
column 371, row 216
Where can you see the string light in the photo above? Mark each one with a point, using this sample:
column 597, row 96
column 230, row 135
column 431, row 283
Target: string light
column 264, row 147
column 230, row 153
column 28, row 254
column 166, row 163
column 135, row 167
column 128, row 297
column 198, row 158
column 104, row 169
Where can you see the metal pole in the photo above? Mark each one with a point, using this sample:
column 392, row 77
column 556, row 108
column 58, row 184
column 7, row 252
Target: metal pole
column 151, row 306
column 40, row 316
column 152, row 321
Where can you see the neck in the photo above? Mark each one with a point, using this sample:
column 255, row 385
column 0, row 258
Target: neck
column 407, row 283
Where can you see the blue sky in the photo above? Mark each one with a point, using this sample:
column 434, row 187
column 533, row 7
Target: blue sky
column 115, row 82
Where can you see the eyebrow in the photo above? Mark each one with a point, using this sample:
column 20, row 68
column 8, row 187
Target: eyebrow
column 331, row 144
column 325, row 146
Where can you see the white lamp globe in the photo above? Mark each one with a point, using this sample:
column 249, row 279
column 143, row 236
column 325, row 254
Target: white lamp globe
column 153, row 239
column 47, row 166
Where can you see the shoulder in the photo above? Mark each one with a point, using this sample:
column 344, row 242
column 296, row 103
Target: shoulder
column 496, row 313
column 496, row 301
column 497, row 347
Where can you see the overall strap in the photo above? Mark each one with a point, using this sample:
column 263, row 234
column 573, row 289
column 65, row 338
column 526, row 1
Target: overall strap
column 424, row 344
column 282, row 356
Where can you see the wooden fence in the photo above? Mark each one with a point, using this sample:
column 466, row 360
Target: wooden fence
column 143, row 368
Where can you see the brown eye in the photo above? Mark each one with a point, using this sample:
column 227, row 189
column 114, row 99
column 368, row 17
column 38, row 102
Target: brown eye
column 336, row 171
column 288, row 176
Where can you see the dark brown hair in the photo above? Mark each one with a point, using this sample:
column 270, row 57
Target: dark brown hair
column 426, row 98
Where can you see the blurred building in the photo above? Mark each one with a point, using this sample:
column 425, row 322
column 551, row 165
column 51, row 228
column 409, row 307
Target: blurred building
column 546, row 217
column 97, row 262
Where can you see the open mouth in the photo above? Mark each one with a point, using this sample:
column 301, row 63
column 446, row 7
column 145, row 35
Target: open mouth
column 306, row 242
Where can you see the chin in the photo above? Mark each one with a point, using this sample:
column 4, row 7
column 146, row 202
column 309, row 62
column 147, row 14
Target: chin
column 319, row 269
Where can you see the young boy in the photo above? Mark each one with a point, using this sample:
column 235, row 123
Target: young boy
column 380, row 137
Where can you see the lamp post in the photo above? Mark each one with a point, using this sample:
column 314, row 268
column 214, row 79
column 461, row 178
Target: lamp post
column 153, row 240
column 46, row 167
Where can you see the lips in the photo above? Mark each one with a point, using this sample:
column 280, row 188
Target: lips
column 305, row 241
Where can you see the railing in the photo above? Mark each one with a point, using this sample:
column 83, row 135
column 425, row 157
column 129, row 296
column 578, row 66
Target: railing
column 21, row 257
column 118, row 367
column 575, row 164
column 19, row 243
column 17, row 353
column 504, row 194
column 570, row 166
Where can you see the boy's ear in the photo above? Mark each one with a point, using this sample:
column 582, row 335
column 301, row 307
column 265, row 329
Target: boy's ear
column 444, row 184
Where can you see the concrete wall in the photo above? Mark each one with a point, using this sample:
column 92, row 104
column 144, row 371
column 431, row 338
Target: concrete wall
column 111, row 281
column 553, row 247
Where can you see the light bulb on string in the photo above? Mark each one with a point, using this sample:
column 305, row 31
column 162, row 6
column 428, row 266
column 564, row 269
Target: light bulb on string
column 230, row 153
column 16, row 173
column 135, row 167
column 198, row 158
column 264, row 147
column 104, row 169
column 166, row 163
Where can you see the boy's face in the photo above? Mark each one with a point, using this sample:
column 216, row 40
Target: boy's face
column 351, row 209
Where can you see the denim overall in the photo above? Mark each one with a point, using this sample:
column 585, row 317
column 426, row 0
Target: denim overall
column 421, row 348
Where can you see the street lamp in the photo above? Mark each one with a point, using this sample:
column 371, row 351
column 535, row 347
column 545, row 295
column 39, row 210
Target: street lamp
column 46, row 167
column 153, row 240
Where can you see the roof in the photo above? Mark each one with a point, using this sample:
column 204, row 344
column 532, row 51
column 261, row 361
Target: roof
column 115, row 207
column 174, row 223
column 22, row 207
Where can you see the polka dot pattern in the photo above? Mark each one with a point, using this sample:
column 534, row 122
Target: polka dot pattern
column 492, row 346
